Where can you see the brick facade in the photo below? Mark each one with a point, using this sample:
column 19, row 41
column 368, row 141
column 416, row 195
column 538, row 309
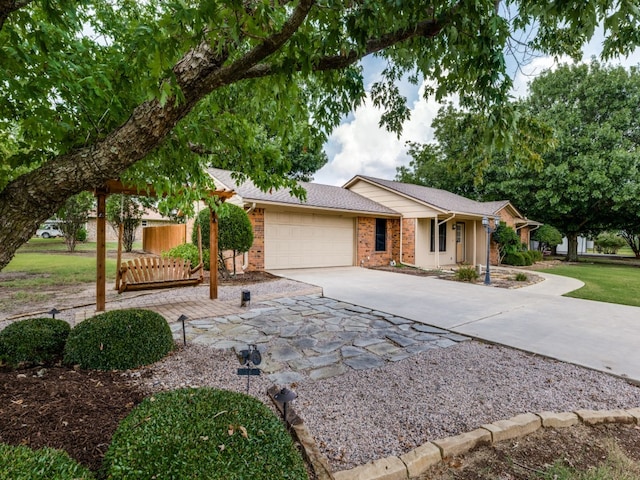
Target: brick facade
column 395, row 239
column 409, row 241
column 256, row 252
column 366, row 254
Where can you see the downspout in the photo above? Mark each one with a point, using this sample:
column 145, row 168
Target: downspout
column 245, row 255
column 438, row 225
column 530, row 230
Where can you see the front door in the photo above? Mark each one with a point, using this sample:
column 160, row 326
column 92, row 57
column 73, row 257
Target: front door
column 460, row 247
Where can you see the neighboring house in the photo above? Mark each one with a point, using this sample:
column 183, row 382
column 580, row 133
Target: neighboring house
column 151, row 218
column 584, row 246
column 368, row 222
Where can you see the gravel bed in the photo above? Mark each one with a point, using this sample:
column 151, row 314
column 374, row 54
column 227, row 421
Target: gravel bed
column 364, row 415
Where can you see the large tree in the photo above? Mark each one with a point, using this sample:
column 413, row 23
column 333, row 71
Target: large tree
column 90, row 89
column 585, row 181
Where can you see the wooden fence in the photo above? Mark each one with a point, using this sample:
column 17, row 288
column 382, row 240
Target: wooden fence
column 160, row 239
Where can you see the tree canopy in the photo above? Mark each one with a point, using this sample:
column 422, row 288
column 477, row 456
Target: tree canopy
column 92, row 90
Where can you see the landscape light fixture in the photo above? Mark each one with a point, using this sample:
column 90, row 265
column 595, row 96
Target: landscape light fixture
column 182, row 319
column 285, row 396
column 53, row 312
column 245, row 300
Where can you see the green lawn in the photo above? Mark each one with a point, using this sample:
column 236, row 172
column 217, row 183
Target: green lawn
column 44, row 269
column 603, row 282
column 58, row 245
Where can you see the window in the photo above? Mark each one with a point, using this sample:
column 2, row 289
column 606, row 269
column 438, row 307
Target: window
column 381, row 234
column 442, row 236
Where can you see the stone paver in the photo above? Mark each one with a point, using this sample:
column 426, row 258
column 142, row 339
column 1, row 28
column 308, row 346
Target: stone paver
column 310, row 337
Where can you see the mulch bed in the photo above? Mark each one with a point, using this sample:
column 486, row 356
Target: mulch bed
column 72, row 410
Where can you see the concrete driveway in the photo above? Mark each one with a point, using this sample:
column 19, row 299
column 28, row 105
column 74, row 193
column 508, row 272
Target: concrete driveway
column 536, row 319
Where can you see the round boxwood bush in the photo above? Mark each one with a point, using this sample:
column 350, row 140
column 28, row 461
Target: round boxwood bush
column 515, row 258
column 23, row 463
column 33, row 341
column 203, row 433
column 188, row 251
column 119, row 340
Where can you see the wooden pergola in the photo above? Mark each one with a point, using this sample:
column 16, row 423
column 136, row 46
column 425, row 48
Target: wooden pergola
column 117, row 187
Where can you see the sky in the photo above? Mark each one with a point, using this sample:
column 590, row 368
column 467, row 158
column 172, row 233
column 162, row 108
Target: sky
column 358, row 146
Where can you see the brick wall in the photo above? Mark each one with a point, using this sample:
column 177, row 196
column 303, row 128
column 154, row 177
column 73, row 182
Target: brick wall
column 256, row 252
column 409, row 241
column 395, row 239
column 366, row 242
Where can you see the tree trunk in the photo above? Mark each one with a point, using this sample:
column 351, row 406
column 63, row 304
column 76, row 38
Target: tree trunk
column 572, row 247
column 633, row 240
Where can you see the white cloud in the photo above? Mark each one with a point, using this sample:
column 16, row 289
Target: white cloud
column 360, row 146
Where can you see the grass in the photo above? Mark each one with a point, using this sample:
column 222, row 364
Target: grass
column 42, row 269
column 603, row 282
column 57, row 244
column 617, row 466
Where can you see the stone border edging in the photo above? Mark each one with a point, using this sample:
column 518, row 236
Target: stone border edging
column 418, row 460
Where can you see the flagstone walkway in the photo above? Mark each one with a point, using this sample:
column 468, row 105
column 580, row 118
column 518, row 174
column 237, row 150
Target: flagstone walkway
column 313, row 337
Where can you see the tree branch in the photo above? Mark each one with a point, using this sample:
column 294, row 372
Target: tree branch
column 7, row 7
column 425, row 29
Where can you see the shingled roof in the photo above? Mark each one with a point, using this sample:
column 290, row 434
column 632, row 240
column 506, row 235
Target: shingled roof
column 318, row 195
column 440, row 199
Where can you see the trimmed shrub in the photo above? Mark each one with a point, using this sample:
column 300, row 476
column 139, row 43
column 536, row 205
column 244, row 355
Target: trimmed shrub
column 188, row 251
column 466, row 273
column 23, row 463
column 514, row 258
column 34, row 341
column 119, row 340
column 202, row 433
column 81, row 235
column 528, row 257
column 536, row 255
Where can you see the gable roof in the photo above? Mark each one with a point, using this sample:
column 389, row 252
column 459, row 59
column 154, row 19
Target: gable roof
column 318, row 195
column 435, row 197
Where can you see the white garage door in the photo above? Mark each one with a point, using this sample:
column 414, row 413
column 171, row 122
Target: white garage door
column 294, row 240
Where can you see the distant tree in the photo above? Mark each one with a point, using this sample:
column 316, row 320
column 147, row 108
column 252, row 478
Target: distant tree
column 128, row 211
column 609, row 242
column 74, row 215
column 547, row 237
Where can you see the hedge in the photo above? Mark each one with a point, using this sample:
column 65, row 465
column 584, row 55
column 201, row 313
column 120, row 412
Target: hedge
column 33, row 341
column 119, row 340
column 203, row 433
column 23, row 463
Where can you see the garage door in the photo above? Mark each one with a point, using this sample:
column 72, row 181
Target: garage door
column 293, row 240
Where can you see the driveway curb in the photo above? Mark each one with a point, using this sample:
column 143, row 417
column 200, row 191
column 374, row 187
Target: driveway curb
column 419, row 460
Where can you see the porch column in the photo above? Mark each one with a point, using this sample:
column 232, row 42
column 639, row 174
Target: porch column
column 436, row 241
column 475, row 244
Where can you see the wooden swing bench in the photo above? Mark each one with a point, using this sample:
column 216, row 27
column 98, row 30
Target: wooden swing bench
column 154, row 272
column 147, row 273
